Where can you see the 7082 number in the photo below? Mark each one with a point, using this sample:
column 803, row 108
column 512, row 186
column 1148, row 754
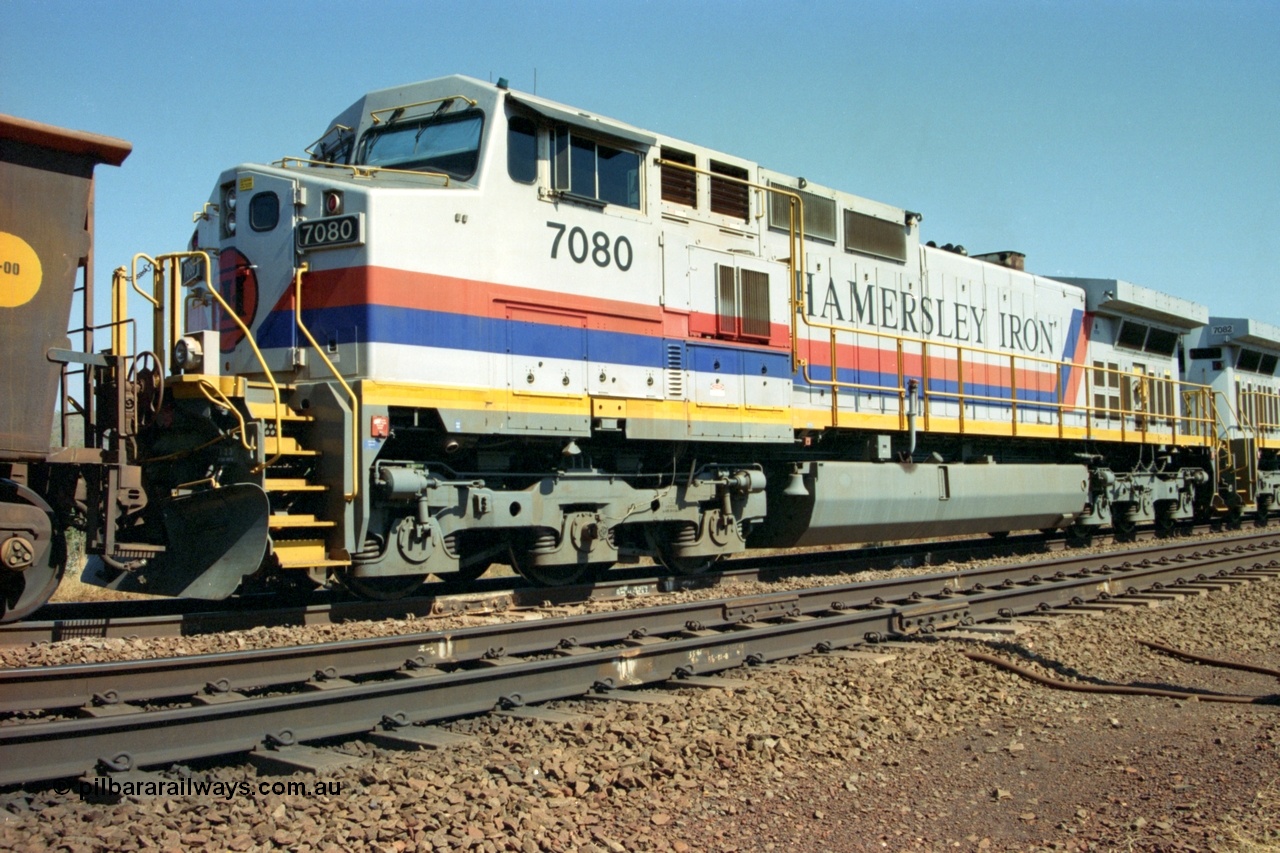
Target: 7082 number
column 598, row 247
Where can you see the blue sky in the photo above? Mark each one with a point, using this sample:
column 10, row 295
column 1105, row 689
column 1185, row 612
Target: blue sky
column 1132, row 139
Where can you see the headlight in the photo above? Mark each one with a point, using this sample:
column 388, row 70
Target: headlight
column 228, row 210
column 187, row 353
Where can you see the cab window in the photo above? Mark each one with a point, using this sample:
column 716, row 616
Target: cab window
column 522, row 149
column 448, row 144
column 594, row 170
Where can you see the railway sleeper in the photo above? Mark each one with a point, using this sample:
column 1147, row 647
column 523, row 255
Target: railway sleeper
column 299, row 716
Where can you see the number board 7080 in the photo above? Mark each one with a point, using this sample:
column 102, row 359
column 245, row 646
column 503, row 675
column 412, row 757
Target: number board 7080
column 330, row 232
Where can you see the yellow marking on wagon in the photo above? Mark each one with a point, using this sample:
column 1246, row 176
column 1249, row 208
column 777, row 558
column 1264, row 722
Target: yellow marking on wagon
column 20, row 271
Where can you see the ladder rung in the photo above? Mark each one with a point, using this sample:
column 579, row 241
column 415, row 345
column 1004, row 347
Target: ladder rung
column 314, row 564
column 293, row 522
column 267, row 412
column 287, row 446
column 304, row 553
column 291, row 484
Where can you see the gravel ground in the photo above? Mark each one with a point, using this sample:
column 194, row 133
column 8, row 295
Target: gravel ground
column 928, row 750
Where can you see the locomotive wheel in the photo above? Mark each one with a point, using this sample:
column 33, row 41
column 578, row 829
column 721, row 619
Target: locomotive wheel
column 686, row 565
column 1235, row 516
column 388, row 588
column 474, row 560
column 1124, row 529
column 561, row 575
column 1079, row 536
column 1166, row 523
column 664, row 554
column 1263, row 514
column 32, row 555
column 468, row 573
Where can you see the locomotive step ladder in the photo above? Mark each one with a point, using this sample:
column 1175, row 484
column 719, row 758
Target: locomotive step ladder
column 299, row 535
column 1236, row 459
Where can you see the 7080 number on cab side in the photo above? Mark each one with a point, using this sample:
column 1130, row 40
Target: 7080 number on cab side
column 599, row 247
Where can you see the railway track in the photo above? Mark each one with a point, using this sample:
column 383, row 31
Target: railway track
column 125, row 716
column 189, row 617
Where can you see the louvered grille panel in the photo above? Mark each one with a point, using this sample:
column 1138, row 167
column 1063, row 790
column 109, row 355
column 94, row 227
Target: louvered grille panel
column 726, row 300
column 678, row 185
column 727, row 197
column 872, row 236
column 819, row 213
column 755, row 304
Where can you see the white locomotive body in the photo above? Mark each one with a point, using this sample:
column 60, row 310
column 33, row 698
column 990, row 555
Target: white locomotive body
column 478, row 325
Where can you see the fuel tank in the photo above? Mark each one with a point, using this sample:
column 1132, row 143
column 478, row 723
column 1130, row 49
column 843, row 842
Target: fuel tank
column 850, row 502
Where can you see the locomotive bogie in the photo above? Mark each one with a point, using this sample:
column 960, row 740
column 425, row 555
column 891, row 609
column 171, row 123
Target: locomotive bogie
column 427, row 521
column 1124, row 500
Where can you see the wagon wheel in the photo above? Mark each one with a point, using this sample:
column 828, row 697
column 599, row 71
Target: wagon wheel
column 147, row 380
column 32, row 554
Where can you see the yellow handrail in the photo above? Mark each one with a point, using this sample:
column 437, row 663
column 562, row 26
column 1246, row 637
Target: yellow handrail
column 355, row 403
column 360, row 171
column 1015, row 362
column 119, row 310
column 177, row 258
column 1260, row 403
column 167, row 337
column 1226, row 402
column 338, row 127
column 214, row 395
column 374, row 113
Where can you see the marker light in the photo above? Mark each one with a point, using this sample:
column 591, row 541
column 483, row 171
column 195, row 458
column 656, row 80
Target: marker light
column 332, row 202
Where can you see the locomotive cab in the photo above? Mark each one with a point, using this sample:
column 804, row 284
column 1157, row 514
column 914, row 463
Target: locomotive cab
column 455, row 266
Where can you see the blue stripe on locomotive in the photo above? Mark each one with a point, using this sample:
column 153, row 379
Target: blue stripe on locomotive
column 414, row 327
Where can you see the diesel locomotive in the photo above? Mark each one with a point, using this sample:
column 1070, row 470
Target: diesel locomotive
column 477, row 326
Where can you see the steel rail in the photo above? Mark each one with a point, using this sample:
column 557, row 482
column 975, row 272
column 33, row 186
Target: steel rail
column 186, row 617
column 189, row 617
column 32, row 752
column 107, row 684
column 72, row 685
